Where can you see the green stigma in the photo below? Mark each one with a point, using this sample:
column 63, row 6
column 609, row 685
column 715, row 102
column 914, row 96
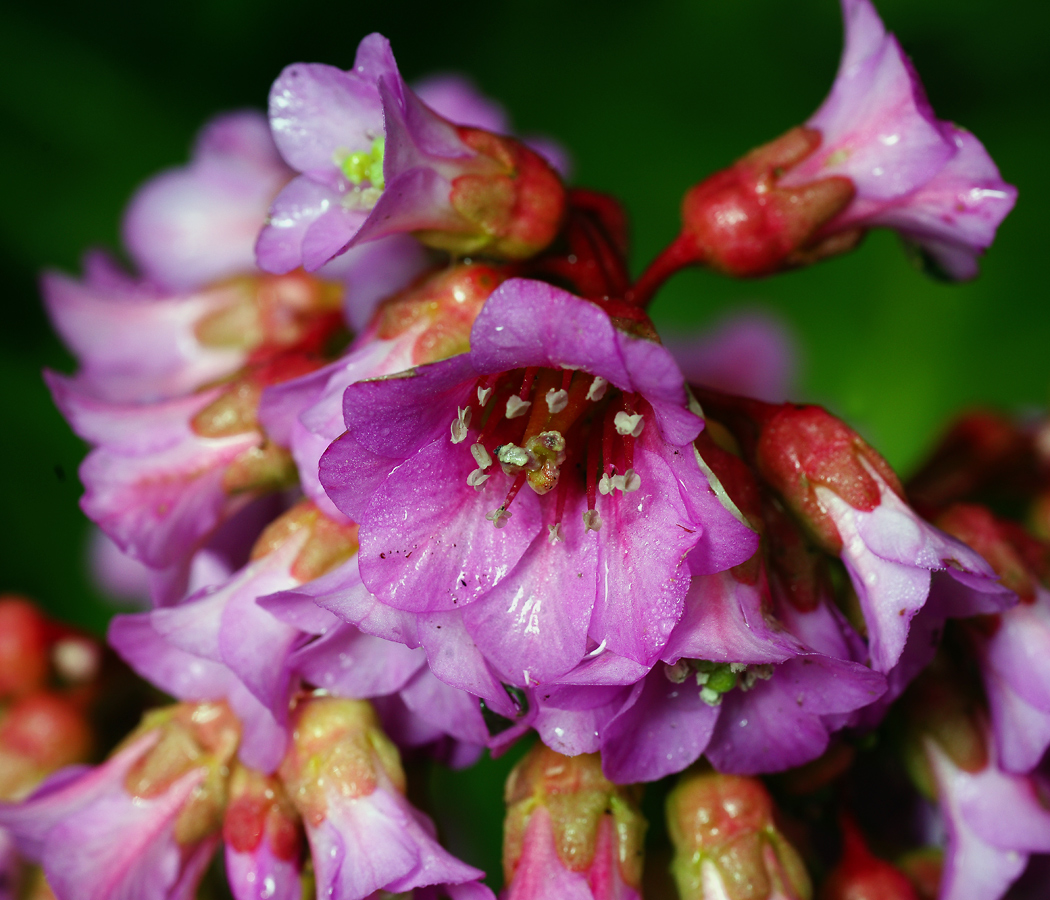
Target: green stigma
column 715, row 679
column 366, row 166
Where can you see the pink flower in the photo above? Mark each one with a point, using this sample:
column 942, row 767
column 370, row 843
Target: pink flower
column 543, row 483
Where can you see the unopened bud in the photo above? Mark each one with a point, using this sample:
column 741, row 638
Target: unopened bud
column 726, row 844
column 568, row 824
column 860, row 875
column 39, row 734
column 23, row 646
column 327, row 543
column 976, row 526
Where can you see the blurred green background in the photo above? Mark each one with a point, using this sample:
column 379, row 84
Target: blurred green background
column 649, row 98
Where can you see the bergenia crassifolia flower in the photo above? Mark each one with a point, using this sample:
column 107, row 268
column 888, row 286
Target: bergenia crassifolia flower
column 544, row 483
column 873, row 155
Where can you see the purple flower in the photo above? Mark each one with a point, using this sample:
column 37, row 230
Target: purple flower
column 346, row 781
column 733, row 684
column 994, row 820
column 376, row 160
column 145, row 823
column 543, row 483
column 929, row 179
column 197, row 224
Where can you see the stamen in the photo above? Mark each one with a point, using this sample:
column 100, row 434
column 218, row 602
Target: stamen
column 593, row 461
column 629, row 482
column 513, row 492
column 481, row 455
column 607, row 484
column 628, row 423
column 498, row 517
column 483, row 395
column 516, row 406
column 591, row 520
column 607, row 444
column 554, row 533
column 597, row 389
column 461, row 425
column 566, row 379
column 477, row 478
column 557, row 400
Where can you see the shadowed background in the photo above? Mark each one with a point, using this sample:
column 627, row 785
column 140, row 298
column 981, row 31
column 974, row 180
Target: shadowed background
column 99, row 96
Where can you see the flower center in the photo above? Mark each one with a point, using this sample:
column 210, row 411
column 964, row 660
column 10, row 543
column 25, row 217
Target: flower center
column 539, row 423
column 716, row 679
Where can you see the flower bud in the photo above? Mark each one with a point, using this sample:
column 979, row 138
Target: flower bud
column 569, row 831
column 39, row 734
column 23, row 647
column 726, row 843
column 860, row 875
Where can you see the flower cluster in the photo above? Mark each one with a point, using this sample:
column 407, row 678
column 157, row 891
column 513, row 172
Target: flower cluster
column 387, row 445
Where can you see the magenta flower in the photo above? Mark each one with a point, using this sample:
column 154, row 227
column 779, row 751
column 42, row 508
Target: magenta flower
column 197, row 224
column 926, row 178
column 370, row 151
column 544, row 484
column 994, row 821
column 733, row 684
column 346, row 781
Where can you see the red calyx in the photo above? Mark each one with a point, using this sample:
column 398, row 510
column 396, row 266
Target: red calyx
column 860, row 875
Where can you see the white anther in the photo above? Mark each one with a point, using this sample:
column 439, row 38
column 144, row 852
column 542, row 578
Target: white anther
column 628, row 423
column 554, row 533
column 630, row 481
column 498, row 517
column 591, row 520
column 597, row 389
column 481, row 455
column 483, row 395
column 460, row 426
column 514, row 457
column 516, row 406
column 710, row 697
column 557, row 400
column 677, row 673
column 477, row 478
column 606, row 484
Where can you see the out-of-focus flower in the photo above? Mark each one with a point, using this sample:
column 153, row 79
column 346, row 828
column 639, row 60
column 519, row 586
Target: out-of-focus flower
column 344, row 777
column 142, row 825
column 727, row 846
column 860, row 875
column 198, row 223
column 544, row 483
column 569, row 832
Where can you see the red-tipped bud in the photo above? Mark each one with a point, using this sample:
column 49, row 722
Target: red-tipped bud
column 23, row 647
column 726, row 843
column 860, row 875
column 570, row 830
column 39, row 734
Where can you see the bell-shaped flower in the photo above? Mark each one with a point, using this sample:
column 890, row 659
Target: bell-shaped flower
column 145, row 823
column 370, row 150
column 873, row 155
column 544, row 483
column 851, row 504
column 733, row 684
column 198, row 223
column 569, row 832
column 345, row 778
column 727, row 844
